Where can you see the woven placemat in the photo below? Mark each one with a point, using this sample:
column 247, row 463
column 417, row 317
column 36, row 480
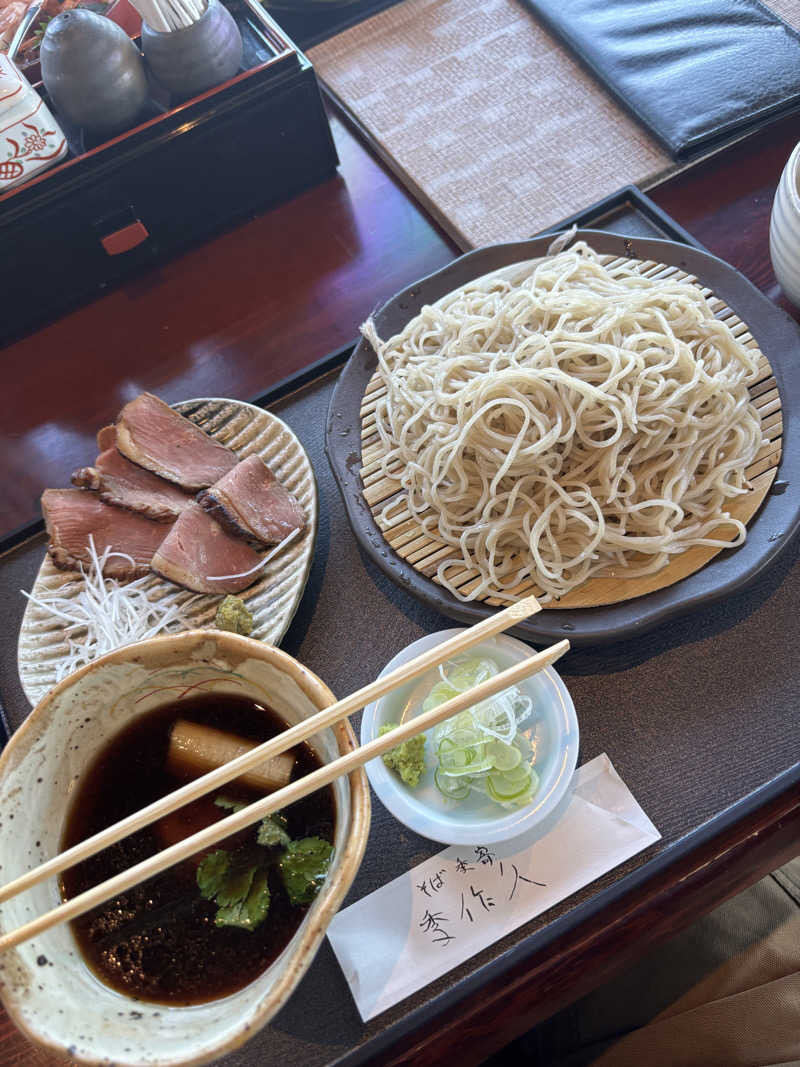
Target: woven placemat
column 788, row 10
column 487, row 118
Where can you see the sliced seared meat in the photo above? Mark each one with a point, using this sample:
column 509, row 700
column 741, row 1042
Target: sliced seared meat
column 106, row 438
column 71, row 515
column 122, row 483
column 197, row 548
column 251, row 502
column 151, row 434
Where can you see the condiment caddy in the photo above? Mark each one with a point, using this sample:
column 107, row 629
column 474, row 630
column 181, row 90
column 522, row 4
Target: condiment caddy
column 125, row 200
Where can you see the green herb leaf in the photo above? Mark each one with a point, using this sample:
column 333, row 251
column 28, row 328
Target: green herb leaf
column 241, row 890
column 272, row 831
column 235, row 886
column 39, row 32
column 303, row 868
column 251, row 911
column 212, row 872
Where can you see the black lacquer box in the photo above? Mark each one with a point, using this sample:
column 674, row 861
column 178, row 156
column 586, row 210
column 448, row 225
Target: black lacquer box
column 110, row 209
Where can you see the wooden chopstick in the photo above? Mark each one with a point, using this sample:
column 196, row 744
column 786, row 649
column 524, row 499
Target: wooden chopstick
column 154, row 865
column 495, row 624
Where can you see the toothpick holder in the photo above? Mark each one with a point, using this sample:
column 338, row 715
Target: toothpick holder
column 191, row 60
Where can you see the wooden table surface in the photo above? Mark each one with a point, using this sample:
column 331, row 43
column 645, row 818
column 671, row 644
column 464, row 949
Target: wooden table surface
column 279, row 291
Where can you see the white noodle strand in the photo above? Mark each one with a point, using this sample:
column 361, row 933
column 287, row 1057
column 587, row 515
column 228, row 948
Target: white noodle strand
column 566, row 422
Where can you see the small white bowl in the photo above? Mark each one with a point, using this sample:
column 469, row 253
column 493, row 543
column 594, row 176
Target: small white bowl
column 45, row 984
column 552, row 729
column 784, row 229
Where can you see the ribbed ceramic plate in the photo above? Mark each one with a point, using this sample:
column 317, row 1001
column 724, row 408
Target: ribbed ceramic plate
column 272, row 600
column 612, row 616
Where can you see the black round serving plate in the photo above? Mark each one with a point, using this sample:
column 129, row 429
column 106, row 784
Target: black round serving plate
column 769, row 532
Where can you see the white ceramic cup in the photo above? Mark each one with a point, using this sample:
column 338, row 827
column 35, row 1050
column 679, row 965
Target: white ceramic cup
column 784, row 229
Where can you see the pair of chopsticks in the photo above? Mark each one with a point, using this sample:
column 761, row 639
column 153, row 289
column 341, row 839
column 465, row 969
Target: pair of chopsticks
column 256, row 811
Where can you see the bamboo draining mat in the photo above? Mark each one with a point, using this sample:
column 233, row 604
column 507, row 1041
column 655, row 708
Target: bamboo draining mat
column 387, row 501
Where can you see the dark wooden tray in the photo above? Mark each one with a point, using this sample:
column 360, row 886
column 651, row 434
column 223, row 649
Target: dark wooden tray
column 310, row 21
column 674, row 709
column 732, row 570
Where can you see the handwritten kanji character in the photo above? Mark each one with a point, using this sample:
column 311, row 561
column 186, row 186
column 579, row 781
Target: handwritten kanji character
column 465, row 910
column 462, row 866
column 483, row 897
column 484, row 855
column 437, row 881
column 521, row 878
column 431, row 923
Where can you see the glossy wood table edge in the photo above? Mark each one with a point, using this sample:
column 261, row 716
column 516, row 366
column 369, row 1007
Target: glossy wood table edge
column 228, row 317
column 725, row 202
column 579, row 961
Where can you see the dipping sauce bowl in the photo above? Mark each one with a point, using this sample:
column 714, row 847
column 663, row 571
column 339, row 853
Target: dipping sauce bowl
column 46, row 987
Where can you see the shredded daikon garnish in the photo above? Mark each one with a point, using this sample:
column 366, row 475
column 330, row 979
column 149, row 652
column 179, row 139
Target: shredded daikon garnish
column 261, row 563
column 104, row 614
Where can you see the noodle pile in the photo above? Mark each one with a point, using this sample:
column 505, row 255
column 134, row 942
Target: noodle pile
column 566, row 422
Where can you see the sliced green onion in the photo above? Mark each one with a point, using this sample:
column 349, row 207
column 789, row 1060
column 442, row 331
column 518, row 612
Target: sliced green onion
column 481, row 748
column 520, row 773
column 456, row 770
column 466, row 674
column 504, row 757
column 438, row 695
column 462, row 738
column 454, row 789
column 504, row 792
column 457, row 759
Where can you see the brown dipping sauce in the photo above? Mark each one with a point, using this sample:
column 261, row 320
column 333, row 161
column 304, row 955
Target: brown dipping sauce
column 158, row 941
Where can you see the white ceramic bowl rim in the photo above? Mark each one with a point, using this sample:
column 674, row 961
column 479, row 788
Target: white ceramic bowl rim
column 402, row 803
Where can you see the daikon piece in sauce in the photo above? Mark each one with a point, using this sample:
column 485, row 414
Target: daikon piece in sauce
column 160, row 941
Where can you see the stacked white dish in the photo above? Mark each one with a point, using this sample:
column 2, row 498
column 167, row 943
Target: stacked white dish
column 784, row 229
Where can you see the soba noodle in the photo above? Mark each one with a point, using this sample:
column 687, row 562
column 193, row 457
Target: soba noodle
column 566, row 422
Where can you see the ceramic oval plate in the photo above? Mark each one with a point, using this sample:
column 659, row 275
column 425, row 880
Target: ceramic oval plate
column 610, row 615
column 272, row 600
